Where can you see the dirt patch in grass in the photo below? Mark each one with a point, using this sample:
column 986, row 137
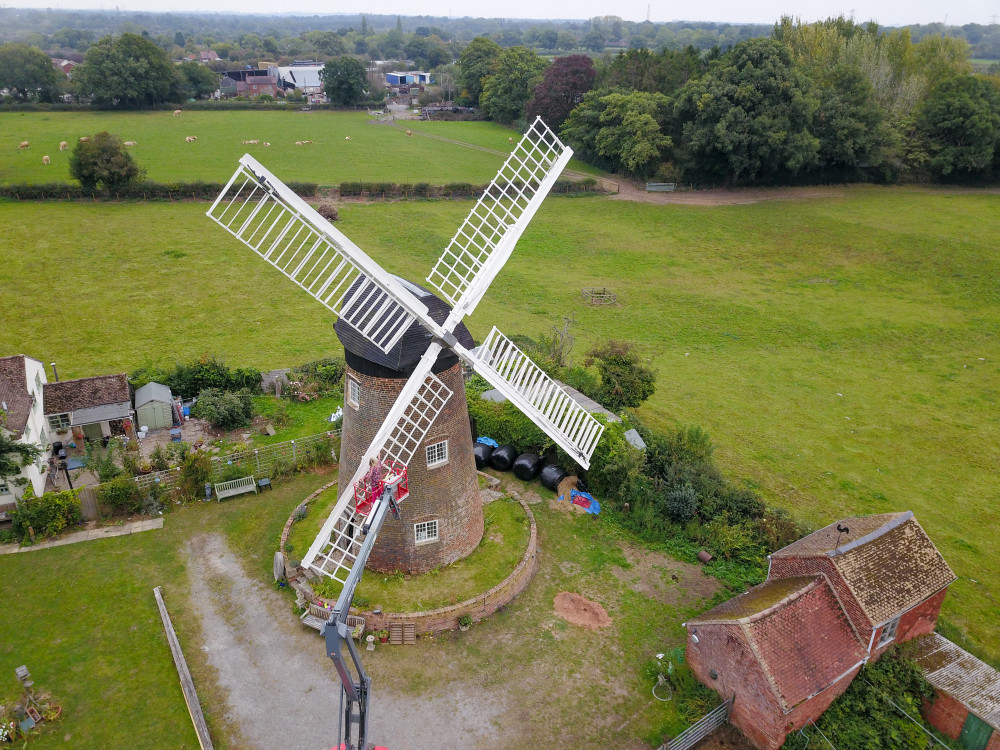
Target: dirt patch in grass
column 664, row 579
column 577, row 610
column 726, row 737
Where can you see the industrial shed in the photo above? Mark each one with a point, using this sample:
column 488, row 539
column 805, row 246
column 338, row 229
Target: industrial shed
column 154, row 406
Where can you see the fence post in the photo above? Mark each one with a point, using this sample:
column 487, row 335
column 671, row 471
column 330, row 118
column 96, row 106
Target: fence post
column 293, row 453
column 256, row 459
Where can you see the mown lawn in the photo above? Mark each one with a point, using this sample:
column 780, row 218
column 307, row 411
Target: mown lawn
column 376, row 152
column 843, row 352
column 83, row 619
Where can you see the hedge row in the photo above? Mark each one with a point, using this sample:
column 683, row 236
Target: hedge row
column 451, row 190
column 202, row 104
column 135, row 191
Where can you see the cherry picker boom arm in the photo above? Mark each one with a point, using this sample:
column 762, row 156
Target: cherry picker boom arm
column 337, row 633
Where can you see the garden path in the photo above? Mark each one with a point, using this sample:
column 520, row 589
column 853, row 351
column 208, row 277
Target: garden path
column 282, row 692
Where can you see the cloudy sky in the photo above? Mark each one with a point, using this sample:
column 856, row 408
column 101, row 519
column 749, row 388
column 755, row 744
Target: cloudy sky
column 887, row 12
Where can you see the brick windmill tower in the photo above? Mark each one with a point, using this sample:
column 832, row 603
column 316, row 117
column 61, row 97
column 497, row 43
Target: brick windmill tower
column 442, row 520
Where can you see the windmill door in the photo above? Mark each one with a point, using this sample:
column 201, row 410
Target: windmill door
column 975, row 734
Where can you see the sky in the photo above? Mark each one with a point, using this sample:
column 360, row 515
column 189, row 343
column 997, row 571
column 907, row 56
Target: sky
column 885, row 12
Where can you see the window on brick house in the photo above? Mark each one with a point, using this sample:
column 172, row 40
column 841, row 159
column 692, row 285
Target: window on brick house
column 437, row 454
column 426, row 531
column 353, row 393
column 888, row 632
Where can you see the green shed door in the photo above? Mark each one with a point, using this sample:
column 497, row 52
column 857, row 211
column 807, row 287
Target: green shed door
column 975, row 734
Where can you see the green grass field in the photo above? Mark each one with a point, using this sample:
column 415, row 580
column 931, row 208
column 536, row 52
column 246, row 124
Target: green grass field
column 843, row 353
column 376, row 152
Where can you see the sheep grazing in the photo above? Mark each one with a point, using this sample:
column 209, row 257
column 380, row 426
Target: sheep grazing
column 130, row 143
column 306, row 143
column 84, row 138
column 63, row 145
column 510, row 141
column 266, row 143
column 177, row 113
column 409, row 133
column 347, row 137
column 191, row 138
column 298, row 143
column 24, row 145
column 46, row 160
column 254, row 142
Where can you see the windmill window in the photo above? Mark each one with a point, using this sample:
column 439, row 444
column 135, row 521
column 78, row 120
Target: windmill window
column 888, row 632
column 437, row 454
column 353, row 393
column 59, row 421
column 425, row 531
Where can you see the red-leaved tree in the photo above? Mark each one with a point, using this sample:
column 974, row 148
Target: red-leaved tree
column 566, row 80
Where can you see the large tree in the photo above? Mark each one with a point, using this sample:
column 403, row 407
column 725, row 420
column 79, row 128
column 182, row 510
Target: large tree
column 194, row 81
column 747, row 120
column 475, row 63
column 959, row 125
column 344, row 80
column 125, row 71
column 505, row 92
column 102, row 160
column 28, row 73
column 565, row 82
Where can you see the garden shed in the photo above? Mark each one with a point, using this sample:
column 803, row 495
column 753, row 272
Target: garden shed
column 154, row 406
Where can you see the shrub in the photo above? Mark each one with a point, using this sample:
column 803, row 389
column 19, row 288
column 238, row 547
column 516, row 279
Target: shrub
column 327, row 373
column 625, row 381
column 188, row 380
column 328, row 211
column 317, row 453
column 505, row 423
column 103, row 160
column 46, row 515
column 733, row 541
column 225, row 410
column 196, row 470
column 158, row 459
column 121, row 496
column 682, row 502
column 101, row 461
column 615, row 465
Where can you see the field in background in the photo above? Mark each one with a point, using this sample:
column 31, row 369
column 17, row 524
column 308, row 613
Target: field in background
column 376, row 152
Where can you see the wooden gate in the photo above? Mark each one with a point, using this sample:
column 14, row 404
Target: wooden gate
column 88, row 504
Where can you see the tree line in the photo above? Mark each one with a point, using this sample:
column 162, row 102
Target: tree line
column 833, row 101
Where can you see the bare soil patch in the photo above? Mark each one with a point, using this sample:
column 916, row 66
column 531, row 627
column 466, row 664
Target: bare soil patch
column 664, row 579
column 726, row 737
column 577, row 610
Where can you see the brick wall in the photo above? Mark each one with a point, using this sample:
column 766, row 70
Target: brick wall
column 913, row 623
column 945, row 714
column 448, row 493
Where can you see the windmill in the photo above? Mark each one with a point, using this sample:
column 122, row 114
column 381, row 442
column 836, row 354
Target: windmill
column 270, row 219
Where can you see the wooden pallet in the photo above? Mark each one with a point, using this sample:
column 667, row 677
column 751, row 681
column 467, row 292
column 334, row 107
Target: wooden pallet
column 402, row 634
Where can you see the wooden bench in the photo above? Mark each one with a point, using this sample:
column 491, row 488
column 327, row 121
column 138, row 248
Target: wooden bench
column 236, row 487
column 316, row 616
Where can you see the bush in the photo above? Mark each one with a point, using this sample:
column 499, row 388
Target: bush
column 505, row 423
column 101, row 461
column 625, row 381
column 328, row 211
column 225, row 410
column 327, row 373
column 46, row 515
column 158, row 459
column 196, row 470
column 682, row 502
column 121, row 496
column 103, row 160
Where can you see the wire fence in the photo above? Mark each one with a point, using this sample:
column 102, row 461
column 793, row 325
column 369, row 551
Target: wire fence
column 264, row 461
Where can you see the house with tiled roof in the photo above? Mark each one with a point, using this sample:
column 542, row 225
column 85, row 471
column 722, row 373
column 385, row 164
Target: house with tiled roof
column 22, row 379
column 832, row 601
column 92, row 408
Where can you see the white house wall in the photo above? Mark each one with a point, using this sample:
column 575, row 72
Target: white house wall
column 37, row 429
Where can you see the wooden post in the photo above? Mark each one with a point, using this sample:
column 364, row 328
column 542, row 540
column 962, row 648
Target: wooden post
column 187, row 684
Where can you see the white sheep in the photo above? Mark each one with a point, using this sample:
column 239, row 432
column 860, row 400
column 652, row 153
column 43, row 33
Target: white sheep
column 177, row 113
column 24, row 145
column 347, row 137
column 63, row 145
column 266, row 143
column 298, row 143
column 84, row 138
column 130, row 143
column 254, row 142
column 46, row 160
column 191, row 138
column 409, row 133
column 510, row 141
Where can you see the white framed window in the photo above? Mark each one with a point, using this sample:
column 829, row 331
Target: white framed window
column 888, row 632
column 38, row 381
column 425, row 531
column 59, row 421
column 353, row 392
column 27, row 432
column 437, row 454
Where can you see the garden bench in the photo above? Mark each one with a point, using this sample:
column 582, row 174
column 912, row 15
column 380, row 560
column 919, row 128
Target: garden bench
column 236, row 487
column 315, row 616
column 661, row 187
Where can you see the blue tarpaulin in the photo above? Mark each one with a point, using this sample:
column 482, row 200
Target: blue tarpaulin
column 585, row 500
column 488, row 441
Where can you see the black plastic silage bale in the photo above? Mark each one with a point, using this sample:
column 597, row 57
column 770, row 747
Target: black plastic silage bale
column 527, row 466
column 482, row 451
column 552, row 475
column 503, row 457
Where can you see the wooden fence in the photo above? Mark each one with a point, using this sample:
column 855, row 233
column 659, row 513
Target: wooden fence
column 598, row 296
column 261, row 462
column 701, row 728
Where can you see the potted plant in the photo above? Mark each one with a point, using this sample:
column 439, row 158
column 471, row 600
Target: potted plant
column 383, row 636
column 464, row 622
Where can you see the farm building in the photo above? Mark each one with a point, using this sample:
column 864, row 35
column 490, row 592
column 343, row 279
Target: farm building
column 302, row 78
column 21, row 382
column 967, row 702
column 92, row 408
column 398, row 77
column 833, row 601
column 154, row 406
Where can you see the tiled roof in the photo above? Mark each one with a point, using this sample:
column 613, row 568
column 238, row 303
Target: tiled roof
column 889, row 562
column 14, row 392
column 956, row 672
column 70, row 395
column 798, row 631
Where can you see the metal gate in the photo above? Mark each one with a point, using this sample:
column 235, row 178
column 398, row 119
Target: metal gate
column 701, row 728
